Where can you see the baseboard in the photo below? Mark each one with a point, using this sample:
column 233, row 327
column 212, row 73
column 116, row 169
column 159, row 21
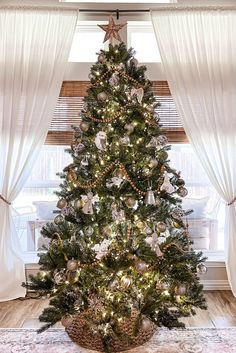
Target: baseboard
column 215, row 284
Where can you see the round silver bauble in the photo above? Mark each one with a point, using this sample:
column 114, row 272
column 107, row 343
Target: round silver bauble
column 161, row 227
column 59, row 219
column 201, row 269
column 61, row 203
column 102, row 96
column 84, row 126
column 72, row 265
column 130, row 202
column 181, row 191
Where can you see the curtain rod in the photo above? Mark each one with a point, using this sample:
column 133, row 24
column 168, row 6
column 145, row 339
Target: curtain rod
column 117, row 11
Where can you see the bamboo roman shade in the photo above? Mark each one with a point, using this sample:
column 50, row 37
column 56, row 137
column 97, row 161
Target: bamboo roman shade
column 70, row 103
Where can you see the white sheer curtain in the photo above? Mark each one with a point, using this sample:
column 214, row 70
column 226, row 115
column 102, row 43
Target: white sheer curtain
column 198, row 51
column 34, row 48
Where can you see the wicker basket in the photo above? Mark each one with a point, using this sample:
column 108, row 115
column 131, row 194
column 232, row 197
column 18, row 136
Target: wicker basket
column 80, row 333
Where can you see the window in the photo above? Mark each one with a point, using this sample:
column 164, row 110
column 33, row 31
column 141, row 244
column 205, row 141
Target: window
column 88, row 39
column 141, row 36
column 206, row 223
column 40, row 187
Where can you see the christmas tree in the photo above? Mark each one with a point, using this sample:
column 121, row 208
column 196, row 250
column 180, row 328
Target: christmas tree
column 119, row 244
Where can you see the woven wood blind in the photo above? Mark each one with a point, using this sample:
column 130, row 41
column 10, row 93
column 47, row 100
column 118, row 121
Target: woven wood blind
column 70, row 103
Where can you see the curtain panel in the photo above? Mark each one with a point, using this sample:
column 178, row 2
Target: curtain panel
column 198, row 52
column 34, row 48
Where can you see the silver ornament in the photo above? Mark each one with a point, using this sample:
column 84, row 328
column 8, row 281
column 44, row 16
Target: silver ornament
column 72, row 265
column 153, row 163
column 161, row 227
column 138, row 93
column 77, row 204
column 101, row 58
column 133, row 62
column 201, row 269
column 100, row 140
column 150, row 198
column 129, row 128
column 177, row 213
column 146, row 172
column 180, row 182
column 126, row 281
column 84, row 126
column 88, row 231
column 141, row 266
column 181, row 191
column 125, row 140
column 78, row 148
column 114, row 80
column 68, row 211
column 61, row 203
column 167, row 186
column 59, row 219
column 59, row 277
column 130, row 202
column 84, row 161
column 181, row 290
column 89, row 200
column 102, row 96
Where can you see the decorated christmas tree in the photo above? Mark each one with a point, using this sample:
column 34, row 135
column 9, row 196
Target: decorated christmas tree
column 119, row 261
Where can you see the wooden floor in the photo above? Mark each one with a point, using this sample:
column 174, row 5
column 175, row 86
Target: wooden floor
column 221, row 312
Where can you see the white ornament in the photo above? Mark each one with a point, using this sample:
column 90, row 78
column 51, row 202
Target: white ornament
column 125, row 140
column 138, row 92
column 167, row 186
column 117, row 215
column 114, row 181
column 100, row 140
column 101, row 249
column 89, row 200
column 158, row 142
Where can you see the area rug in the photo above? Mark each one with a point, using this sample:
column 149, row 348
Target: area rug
column 191, row 340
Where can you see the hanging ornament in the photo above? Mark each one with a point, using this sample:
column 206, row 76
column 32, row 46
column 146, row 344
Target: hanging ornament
column 102, row 96
column 146, row 172
column 201, row 269
column 157, row 250
column 129, row 128
column 133, row 62
column 148, row 230
column 177, row 213
column 181, row 290
column 71, row 176
column 141, row 266
column 67, row 320
column 153, row 163
column 59, row 277
column 181, row 191
column 167, row 186
column 101, row 58
column 79, row 148
column 114, row 80
column 158, row 142
column 180, row 182
column 130, row 202
column 125, row 281
column 59, row 219
column 161, row 227
column 125, row 141
column 100, row 140
column 84, row 126
column 77, row 204
column 72, row 265
column 150, row 198
column 138, row 93
column 88, row 231
column 117, row 215
column 68, row 211
column 121, row 66
column 84, row 161
column 107, row 230
column 115, row 181
column 88, row 201
column 114, row 284
column 61, row 203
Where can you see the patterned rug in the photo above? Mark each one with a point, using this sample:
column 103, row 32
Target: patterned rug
column 191, row 340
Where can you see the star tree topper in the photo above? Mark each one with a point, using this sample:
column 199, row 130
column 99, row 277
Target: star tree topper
column 112, row 30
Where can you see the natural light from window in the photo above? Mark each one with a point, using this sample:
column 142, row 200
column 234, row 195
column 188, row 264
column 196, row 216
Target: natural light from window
column 87, row 41
column 141, row 37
